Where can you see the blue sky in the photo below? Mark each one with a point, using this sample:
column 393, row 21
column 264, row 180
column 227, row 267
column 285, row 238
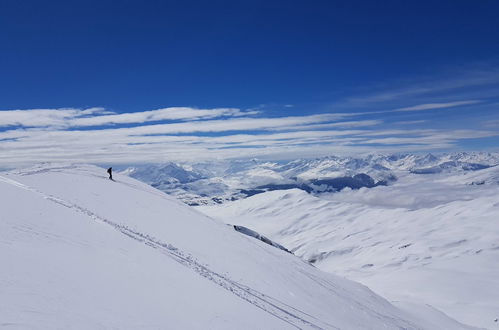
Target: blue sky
column 150, row 81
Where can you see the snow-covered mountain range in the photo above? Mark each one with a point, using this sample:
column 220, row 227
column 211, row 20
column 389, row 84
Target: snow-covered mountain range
column 218, row 182
column 430, row 238
column 79, row 251
column 414, row 227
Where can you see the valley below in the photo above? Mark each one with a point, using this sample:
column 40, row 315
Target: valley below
column 423, row 229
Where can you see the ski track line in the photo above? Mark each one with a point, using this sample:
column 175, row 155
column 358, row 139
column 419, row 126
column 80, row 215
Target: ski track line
column 260, row 300
column 331, row 287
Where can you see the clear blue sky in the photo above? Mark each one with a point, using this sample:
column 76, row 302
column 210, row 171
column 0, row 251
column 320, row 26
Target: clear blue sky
column 281, row 58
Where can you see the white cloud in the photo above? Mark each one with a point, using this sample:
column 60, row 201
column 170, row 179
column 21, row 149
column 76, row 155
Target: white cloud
column 432, row 106
column 45, row 117
column 342, row 124
column 432, row 137
column 195, row 134
column 70, row 117
column 233, row 124
column 478, row 80
column 124, row 145
column 411, row 122
column 173, row 113
column 491, row 123
column 371, row 123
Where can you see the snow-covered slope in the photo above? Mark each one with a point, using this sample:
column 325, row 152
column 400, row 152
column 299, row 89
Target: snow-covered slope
column 427, row 238
column 78, row 251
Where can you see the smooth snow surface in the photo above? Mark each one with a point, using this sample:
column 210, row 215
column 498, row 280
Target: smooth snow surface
column 430, row 239
column 78, row 251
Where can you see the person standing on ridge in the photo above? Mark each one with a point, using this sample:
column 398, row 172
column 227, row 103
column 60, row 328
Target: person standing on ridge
column 110, row 172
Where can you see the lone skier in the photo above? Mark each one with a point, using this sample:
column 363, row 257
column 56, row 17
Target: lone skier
column 110, row 172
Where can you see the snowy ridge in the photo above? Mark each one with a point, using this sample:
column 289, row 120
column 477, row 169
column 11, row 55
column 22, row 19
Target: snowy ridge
column 92, row 253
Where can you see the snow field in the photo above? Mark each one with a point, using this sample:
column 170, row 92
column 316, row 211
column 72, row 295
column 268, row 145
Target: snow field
column 79, row 251
column 428, row 239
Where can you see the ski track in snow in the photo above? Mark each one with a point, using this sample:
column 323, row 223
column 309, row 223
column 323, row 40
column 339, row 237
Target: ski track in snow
column 285, row 312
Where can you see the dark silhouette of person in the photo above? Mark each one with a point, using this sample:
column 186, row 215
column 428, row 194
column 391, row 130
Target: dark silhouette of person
column 110, row 172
